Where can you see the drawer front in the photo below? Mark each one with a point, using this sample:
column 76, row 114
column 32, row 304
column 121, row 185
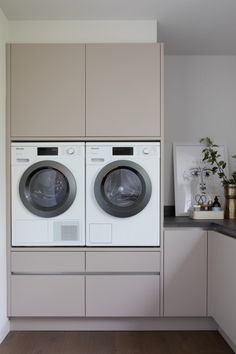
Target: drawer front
column 47, row 262
column 122, row 296
column 123, row 262
column 47, row 295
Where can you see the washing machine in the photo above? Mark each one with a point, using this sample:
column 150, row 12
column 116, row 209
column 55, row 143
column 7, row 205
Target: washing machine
column 48, row 194
column 123, row 194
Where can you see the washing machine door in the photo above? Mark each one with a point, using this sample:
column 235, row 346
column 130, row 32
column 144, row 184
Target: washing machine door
column 122, row 188
column 47, row 188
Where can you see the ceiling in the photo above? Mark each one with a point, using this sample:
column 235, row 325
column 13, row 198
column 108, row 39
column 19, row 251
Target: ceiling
column 200, row 27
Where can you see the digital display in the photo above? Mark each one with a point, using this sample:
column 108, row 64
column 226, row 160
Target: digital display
column 122, row 150
column 47, row 151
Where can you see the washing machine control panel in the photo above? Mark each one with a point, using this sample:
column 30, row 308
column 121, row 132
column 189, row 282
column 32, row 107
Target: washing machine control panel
column 29, row 154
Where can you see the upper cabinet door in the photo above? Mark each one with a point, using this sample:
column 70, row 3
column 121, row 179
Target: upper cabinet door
column 123, row 90
column 47, row 85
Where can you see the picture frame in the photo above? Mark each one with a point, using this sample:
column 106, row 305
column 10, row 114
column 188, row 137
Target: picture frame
column 193, row 181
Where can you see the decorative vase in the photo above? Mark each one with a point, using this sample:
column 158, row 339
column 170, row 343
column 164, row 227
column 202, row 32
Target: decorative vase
column 230, row 201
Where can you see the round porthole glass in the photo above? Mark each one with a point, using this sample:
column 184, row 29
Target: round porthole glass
column 122, row 188
column 47, row 188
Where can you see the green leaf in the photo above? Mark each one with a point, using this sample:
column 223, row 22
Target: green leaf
column 209, row 141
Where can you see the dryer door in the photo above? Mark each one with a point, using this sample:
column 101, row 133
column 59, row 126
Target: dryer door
column 47, row 188
column 122, row 188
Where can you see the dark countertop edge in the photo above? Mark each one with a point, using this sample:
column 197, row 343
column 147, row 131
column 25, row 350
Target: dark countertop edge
column 226, row 227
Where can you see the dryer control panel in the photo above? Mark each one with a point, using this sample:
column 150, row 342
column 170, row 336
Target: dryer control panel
column 110, row 151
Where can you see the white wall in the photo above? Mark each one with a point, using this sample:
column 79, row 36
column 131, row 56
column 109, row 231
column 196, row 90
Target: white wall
column 200, row 101
column 4, row 324
column 82, row 31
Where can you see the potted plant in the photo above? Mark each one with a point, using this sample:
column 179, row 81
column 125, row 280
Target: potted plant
column 217, row 166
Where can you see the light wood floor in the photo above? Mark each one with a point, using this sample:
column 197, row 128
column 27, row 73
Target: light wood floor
column 162, row 342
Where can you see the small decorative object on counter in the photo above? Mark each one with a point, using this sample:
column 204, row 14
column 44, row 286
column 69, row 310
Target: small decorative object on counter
column 216, row 204
column 210, row 205
column 230, row 204
column 208, row 210
column 197, row 207
column 212, row 156
column 204, row 207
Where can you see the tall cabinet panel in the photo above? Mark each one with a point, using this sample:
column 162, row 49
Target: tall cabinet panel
column 47, row 84
column 222, row 282
column 185, row 273
column 123, row 90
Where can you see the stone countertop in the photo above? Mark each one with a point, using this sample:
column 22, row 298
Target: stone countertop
column 227, row 227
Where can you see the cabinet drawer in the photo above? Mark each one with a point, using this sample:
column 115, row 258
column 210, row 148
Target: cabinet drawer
column 123, row 262
column 47, row 295
column 122, row 295
column 47, row 262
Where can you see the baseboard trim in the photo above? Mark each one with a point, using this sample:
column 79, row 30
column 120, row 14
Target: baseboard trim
column 112, row 324
column 227, row 339
column 4, row 330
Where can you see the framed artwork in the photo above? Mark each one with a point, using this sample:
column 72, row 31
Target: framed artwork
column 194, row 181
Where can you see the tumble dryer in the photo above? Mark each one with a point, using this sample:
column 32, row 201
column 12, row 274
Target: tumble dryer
column 123, row 194
column 48, row 194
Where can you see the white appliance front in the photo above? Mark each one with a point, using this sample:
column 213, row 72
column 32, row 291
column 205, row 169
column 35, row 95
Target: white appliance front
column 48, row 194
column 123, row 194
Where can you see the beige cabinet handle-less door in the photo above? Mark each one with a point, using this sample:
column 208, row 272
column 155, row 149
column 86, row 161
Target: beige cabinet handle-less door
column 47, row 84
column 123, row 90
column 122, row 295
column 47, row 295
column 222, row 282
column 185, row 273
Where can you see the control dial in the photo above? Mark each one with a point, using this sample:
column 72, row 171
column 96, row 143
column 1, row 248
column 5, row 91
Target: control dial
column 146, row 151
column 70, row 151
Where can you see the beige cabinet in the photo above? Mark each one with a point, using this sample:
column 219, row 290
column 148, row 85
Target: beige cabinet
column 51, row 86
column 122, row 284
column 185, row 273
column 47, row 90
column 47, row 295
column 123, row 261
column 77, row 284
column 123, row 90
column 38, row 262
column 222, row 282
column 47, row 284
column 122, row 295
